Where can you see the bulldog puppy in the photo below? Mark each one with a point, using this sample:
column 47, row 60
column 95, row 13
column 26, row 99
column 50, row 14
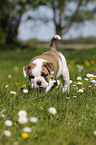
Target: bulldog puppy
column 44, row 69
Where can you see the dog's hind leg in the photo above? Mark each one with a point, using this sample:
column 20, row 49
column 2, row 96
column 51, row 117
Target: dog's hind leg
column 64, row 74
column 65, row 78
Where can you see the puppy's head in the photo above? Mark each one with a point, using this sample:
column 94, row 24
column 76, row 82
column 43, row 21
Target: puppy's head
column 39, row 75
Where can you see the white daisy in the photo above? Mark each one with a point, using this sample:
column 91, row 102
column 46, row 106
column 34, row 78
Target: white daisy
column 15, row 143
column 8, row 123
column 27, row 129
column 79, row 67
column 22, row 113
column 54, row 81
column 52, row 110
column 74, row 85
column 86, row 105
column 70, row 81
column 2, row 115
column 74, row 96
column 94, row 132
column 79, row 78
column 13, row 92
column 15, row 68
column 79, row 83
column 80, row 90
column 67, row 98
column 58, row 82
column 86, row 79
column 6, row 86
column 93, row 81
column 9, row 76
column 22, row 120
column 7, row 133
column 90, row 75
column 33, row 119
column 75, row 88
column 25, row 91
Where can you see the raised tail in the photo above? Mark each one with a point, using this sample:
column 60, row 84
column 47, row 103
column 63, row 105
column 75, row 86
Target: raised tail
column 52, row 45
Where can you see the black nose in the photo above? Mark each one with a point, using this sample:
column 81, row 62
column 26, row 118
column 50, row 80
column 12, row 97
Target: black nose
column 39, row 83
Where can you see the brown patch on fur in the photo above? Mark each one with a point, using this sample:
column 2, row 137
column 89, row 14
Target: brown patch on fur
column 46, row 69
column 48, row 65
column 29, row 67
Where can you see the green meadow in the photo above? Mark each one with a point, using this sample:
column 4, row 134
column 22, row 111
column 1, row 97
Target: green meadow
column 75, row 120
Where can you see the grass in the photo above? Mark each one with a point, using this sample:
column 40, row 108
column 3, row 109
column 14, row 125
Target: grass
column 75, row 120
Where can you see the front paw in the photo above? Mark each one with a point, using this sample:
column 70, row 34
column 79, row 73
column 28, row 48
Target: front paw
column 65, row 88
column 47, row 89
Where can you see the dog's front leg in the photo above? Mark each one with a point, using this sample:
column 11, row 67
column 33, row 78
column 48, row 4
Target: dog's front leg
column 51, row 83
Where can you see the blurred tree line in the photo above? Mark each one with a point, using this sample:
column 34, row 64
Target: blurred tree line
column 11, row 12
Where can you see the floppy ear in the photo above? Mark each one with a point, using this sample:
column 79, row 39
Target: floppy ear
column 49, row 66
column 27, row 68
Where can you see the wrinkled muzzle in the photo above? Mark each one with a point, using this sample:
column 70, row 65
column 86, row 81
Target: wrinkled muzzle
column 39, row 82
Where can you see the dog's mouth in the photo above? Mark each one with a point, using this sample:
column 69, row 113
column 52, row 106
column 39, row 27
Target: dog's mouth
column 41, row 89
column 37, row 86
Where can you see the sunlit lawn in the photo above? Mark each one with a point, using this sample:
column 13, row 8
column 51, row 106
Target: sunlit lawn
column 75, row 120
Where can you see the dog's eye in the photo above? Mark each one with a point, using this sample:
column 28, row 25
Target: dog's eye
column 43, row 74
column 31, row 77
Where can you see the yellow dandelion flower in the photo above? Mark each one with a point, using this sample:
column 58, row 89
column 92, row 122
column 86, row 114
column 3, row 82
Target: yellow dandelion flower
column 25, row 135
column 10, row 70
column 29, row 83
column 94, row 69
column 87, row 63
column 17, row 83
column 58, row 82
column 74, row 82
column 92, row 62
column 72, row 62
column 23, row 86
